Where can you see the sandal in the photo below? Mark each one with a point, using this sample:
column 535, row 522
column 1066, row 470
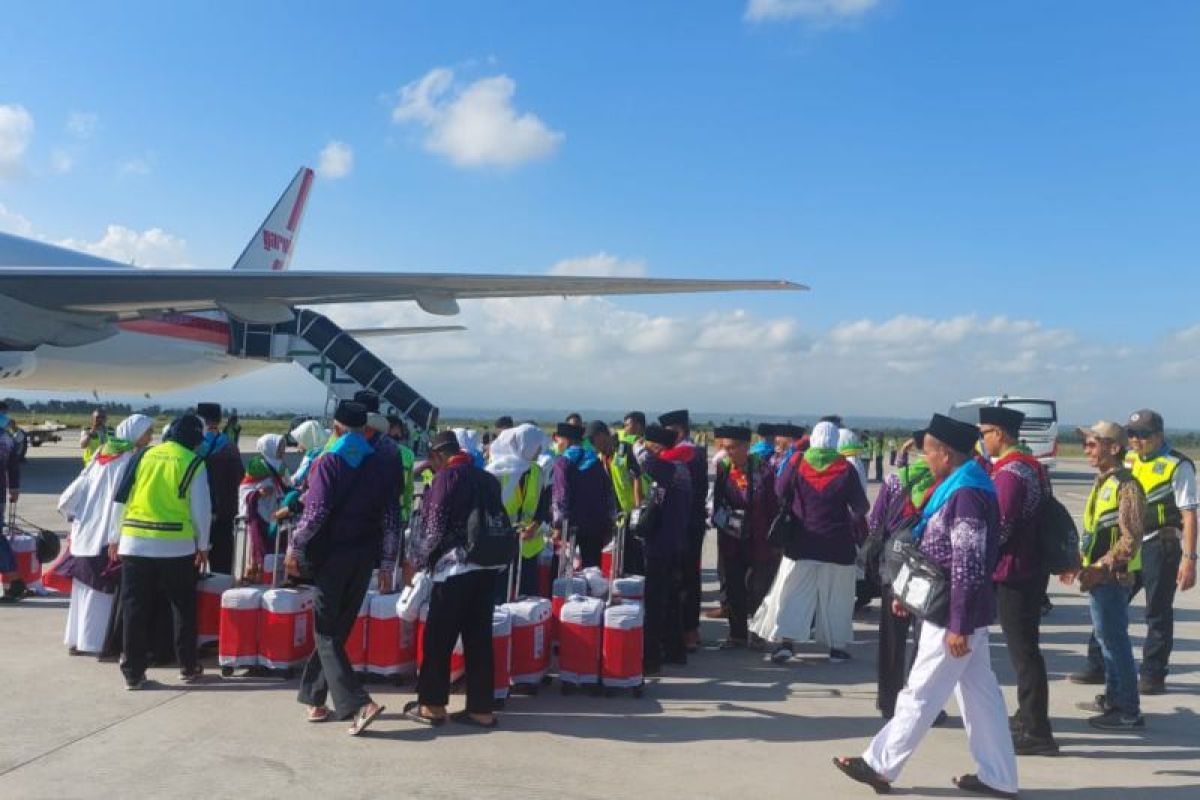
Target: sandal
column 317, row 714
column 362, row 719
column 465, row 718
column 859, row 770
column 412, row 713
column 971, row 783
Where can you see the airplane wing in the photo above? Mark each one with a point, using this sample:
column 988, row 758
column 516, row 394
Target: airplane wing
column 405, row 330
column 118, row 294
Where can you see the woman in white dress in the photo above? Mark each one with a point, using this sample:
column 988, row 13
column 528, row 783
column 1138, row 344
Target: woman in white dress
column 87, row 503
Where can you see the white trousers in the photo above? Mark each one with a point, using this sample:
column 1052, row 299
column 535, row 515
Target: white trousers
column 807, row 591
column 87, row 618
column 934, row 675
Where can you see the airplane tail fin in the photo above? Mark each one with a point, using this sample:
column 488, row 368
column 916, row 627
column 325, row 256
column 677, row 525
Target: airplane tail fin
column 272, row 246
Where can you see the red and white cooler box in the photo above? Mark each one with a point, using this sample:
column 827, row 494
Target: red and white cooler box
column 597, row 584
column 621, row 657
column 531, row 619
column 391, row 642
column 606, row 558
column 286, row 629
column 241, row 611
column 209, row 591
column 29, row 569
column 356, row 642
column 545, row 571
column 560, row 591
column 580, row 634
column 502, row 629
column 631, row 587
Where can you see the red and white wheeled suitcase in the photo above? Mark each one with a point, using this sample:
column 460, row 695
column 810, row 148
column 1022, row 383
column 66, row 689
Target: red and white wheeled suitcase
column 631, row 587
column 502, row 629
column 390, row 645
column 241, row 612
column 606, row 558
column 531, row 618
column 51, row 580
column 597, row 584
column 29, row 569
column 621, row 656
column 286, row 631
column 273, row 568
column 209, row 590
column 562, row 589
column 356, row 642
column 580, row 634
column 545, row 571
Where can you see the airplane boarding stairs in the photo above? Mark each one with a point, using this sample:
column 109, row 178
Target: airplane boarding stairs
column 336, row 359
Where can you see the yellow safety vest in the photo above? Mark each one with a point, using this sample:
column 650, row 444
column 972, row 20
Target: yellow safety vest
column 1155, row 477
column 522, row 505
column 160, row 502
column 1100, row 521
column 95, row 443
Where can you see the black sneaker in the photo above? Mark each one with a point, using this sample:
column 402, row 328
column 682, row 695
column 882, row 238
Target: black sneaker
column 941, row 719
column 1098, row 706
column 1152, row 685
column 1026, row 745
column 191, row 675
column 135, row 684
column 838, row 656
column 1114, row 720
column 1087, row 677
column 1014, row 724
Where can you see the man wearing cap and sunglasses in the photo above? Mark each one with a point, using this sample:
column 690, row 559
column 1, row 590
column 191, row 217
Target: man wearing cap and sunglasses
column 1113, row 521
column 1168, row 478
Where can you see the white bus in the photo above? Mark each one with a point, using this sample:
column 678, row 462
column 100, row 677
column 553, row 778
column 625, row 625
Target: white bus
column 1039, row 431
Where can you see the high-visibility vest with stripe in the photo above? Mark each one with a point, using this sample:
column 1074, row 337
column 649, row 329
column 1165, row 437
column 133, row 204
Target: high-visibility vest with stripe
column 622, row 476
column 160, row 502
column 95, row 443
column 1155, row 476
column 522, row 504
column 1100, row 521
column 407, row 459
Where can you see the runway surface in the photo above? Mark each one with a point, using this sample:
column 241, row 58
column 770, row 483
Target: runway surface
column 727, row 725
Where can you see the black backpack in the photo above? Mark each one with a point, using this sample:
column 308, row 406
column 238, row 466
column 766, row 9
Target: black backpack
column 490, row 538
column 1058, row 538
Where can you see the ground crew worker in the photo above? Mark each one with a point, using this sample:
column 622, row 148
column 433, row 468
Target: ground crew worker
column 1113, row 521
column 162, row 539
column 1168, row 478
column 93, row 438
column 398, row 432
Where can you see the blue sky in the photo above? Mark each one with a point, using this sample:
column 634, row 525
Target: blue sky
column 1031, row 167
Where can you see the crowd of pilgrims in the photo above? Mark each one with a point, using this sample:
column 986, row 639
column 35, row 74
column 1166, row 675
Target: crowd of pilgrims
column 576, row 487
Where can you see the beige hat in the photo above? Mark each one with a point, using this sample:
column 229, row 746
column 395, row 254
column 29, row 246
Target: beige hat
column 1105, row 430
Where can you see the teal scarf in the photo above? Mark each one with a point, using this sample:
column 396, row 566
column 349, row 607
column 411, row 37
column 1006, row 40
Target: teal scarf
column 969, row 476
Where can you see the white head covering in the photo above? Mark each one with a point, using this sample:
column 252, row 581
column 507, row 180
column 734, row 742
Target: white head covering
column 847, row 438
column 513, row 451
column 378, row 423
column 468, row 440
column 824, row 436
column 134, row 427
column 268, row 448
column 309, row 434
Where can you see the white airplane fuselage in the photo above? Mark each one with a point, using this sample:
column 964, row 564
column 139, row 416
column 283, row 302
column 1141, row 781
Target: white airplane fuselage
column 145, row 356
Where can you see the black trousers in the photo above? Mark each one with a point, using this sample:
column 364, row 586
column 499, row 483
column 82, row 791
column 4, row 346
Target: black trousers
column 691, row 577
column 662, row 633
column 142, row 579
column 339, row 584
column 1160, row 568
column 220, row 537
column 461, row 605
column 590, row 548
column 747, row 583
column 879, row 468
column 1019, row 607
column 894, row 659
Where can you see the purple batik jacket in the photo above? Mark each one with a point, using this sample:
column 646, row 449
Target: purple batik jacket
column 963, row 538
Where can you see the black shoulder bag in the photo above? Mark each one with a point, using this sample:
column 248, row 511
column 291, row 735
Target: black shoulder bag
column 918, row 584
column 787, row 528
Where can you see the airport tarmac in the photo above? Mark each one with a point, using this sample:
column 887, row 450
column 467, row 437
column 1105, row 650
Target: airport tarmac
column 727, row 725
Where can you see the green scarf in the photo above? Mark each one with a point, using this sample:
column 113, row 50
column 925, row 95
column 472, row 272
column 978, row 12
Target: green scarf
column 258, row 469
column 115, row 447
column 916, row 480
column 820, row 458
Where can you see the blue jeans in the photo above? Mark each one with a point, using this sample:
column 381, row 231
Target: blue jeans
column 1110, row 618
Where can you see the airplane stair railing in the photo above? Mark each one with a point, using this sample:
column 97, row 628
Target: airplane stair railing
column 333, row 357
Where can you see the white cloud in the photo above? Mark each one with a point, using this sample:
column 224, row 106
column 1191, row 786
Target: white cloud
column 336, row 160
column 137, row 166
column 16, row 131
column 600, row 264
column 82, row 124
column 818, row 10
column 474, row 125
column 153, row 247
column 12, row 222
column 61, row 162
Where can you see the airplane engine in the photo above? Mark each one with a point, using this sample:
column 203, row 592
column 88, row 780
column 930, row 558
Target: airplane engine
column 16, row 364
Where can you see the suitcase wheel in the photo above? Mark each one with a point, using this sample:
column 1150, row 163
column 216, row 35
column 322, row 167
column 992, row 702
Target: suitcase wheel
column 547, row 680
column 226, row 672
column 498, row 705
column 595, row 690
column 567, row 689
column 610, row 691
column 637, row 691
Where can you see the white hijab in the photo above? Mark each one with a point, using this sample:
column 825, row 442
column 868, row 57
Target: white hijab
column 309, row 435
column 268, row 448
column 469, row 440
column 824, row 436
column 513, row 452
column 134, row 427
